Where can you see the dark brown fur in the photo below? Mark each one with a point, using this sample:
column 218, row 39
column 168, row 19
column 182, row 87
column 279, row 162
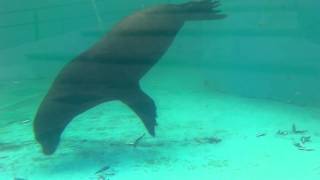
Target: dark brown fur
column 112, row 68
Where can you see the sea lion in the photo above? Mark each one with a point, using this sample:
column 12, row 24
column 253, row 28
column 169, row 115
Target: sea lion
column 111, row 69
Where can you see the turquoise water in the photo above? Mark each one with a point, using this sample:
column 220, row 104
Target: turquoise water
column 236, row 98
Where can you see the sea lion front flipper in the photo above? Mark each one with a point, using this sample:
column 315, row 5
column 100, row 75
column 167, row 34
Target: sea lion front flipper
column 144, row 107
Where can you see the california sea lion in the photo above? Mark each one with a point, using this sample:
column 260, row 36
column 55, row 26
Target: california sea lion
column 112, row 68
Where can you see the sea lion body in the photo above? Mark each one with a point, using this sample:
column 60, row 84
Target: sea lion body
column 111, row 69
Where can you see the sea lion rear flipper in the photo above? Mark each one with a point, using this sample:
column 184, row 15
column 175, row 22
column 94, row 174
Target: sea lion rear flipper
column 202, row 10
column 144, row 107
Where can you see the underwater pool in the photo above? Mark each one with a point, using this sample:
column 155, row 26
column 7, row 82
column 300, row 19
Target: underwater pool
column 230, row 95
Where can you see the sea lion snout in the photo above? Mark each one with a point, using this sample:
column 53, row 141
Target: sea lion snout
column 49, row 143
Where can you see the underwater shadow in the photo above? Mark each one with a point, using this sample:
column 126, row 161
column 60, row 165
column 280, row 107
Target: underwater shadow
column 92, row 155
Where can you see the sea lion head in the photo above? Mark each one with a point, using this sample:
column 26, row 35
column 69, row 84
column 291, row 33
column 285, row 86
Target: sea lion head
column 49, row 142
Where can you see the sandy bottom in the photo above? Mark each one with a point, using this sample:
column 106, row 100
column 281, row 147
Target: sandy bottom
column 201, row 135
